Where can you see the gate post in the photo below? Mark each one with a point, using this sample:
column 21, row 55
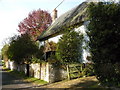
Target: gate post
column 68, row 72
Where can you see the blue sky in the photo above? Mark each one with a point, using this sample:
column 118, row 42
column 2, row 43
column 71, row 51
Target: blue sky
column 14, row 11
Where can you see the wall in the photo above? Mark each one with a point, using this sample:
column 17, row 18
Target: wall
column 35, row 70
column 55, row 39
column 44, row 71
column 47, row 72
column 57, row 73
column 7, row 64
column 14, row 66
column 11, row 65
column 85, row 51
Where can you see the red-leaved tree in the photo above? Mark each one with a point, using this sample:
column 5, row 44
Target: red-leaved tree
column 36, row 22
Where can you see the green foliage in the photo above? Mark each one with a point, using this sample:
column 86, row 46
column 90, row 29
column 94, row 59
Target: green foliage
column 35, row 60
column 4, row 52
column 88, row 70
column 69, row 47
column 104, row 33
column 36, row 80
column 38, row 55
column 21, row 49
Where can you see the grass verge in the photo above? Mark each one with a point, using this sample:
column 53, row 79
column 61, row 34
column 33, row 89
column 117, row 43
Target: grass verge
column 25, row 78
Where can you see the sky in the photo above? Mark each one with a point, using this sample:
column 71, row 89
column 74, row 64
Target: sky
column 12, row 12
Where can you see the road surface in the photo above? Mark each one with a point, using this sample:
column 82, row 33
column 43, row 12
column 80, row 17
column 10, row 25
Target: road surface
column 14, row 82
column 0, row 77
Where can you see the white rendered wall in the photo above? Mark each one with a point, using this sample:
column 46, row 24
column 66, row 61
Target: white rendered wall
column 82, row 30
column 55, row 39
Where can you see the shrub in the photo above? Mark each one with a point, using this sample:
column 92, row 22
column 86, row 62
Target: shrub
column 69, row 47
column 104, row 33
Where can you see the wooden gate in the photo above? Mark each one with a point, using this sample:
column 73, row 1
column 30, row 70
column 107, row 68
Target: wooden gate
column 75, row 70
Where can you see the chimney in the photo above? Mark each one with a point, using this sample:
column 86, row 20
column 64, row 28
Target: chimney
column 54, row 16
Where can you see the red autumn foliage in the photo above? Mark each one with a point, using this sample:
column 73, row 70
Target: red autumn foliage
column 36, row 22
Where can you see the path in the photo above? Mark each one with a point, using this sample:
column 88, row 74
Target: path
column 14, row 82
column 0, row 77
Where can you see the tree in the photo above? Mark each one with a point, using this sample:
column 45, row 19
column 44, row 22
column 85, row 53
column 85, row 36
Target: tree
column 4, row 52
column 36, row 22
column 21, row 49
column 39, row 56
column 69, row 47
column 104, row 33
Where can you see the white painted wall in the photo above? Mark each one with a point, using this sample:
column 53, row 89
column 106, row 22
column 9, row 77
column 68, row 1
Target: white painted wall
column 55, row 39
column 82, row 30
column 47, row 78
column 7, row 64
column 35, row 70
column 12, row 65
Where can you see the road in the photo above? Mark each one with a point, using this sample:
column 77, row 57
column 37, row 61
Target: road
column 85, row 82
column 0, row 77
column 14, row 82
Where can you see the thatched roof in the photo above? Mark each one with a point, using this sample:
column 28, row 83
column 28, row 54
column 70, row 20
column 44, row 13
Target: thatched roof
column 75, row 16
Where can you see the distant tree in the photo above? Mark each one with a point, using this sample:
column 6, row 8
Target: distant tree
column 36, row 22
column 4, row 52
column 69, row 47
column 21, row 49
column 104, row 33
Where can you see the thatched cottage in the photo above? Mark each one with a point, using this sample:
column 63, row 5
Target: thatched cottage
column 75, row 19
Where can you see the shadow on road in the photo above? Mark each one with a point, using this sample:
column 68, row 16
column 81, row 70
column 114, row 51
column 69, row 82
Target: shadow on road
column 85, row 84
column 8, row 78
column 10, row 81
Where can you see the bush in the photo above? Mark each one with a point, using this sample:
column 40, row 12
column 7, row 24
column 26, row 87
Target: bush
column 21, row 49
column 104, row 33
column 69, row 47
